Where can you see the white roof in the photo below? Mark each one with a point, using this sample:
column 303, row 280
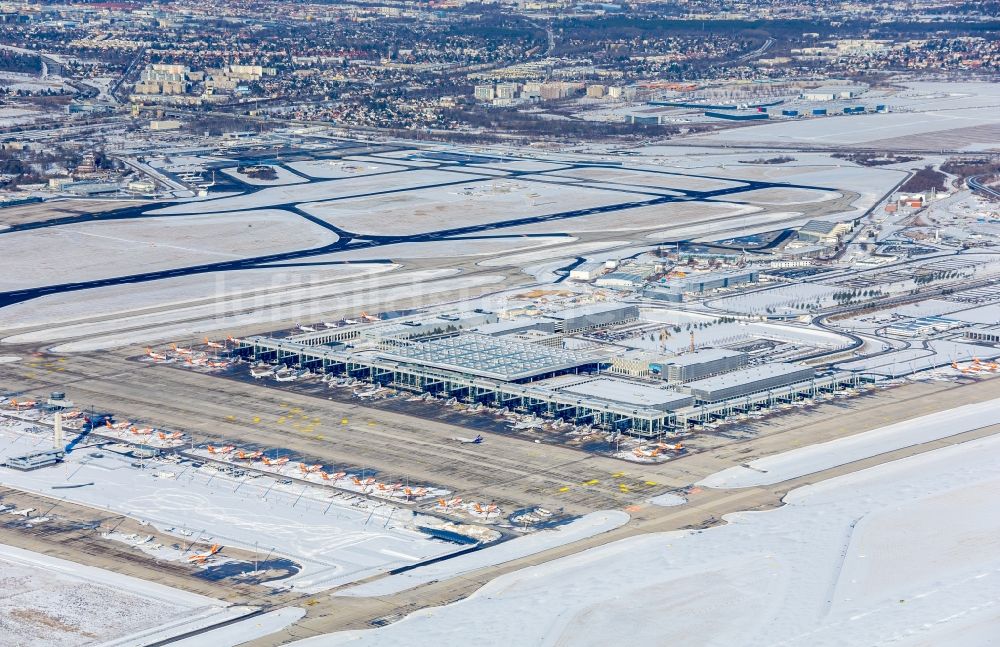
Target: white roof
column 631, row 393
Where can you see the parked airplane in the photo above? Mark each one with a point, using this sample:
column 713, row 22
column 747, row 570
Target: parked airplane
column 26, row 512
column 478, row 440
column 156, row 357
column 182, row 351
column 213, row 344
column 215, row 548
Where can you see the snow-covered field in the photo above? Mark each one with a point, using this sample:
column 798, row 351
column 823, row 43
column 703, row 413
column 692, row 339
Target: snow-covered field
column 786, row 196
column 219, row 287
column 475, row 203
column 402, row 296
column 738, row 225
column 823, row 456
column 332, row 169
column 245, row 630
column 567, row 251
column 905, row 553
column 91, row 251
column 589, row 525
column 284, row 177
column 323, row 190
column 682, row 215
column 50, row 601
column 308, row 303
column 647, row 179
column 457, row 247
column 335, row 537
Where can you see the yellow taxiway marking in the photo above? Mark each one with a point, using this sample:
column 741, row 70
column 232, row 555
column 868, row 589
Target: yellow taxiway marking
column 618, row 475
column 343, row 421
column 230, row 418
column 256, row 419
column 565, row 488
column 651, row 483
column 591, row 482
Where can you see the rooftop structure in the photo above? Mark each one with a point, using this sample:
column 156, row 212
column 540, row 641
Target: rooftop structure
column 923, row 326
column 631, row 394
column 492, row 357
column 35, row 460
column 987, row 334
column 713, row 281
column 597, row 315
column 823, row 230
column 700, row 364
column 747, row 381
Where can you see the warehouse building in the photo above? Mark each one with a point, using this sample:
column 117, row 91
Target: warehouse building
column 748, row 381
column 659, row 293
column 702, row 364
column 586, row 271
column 823, row 231
column 621, row 280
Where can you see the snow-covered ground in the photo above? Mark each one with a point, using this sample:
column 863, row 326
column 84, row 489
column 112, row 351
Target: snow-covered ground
column 647, row 178
column 219, row 287
column 682, row 215
column 73, row 604
column 823, row 456
column 245, row 630
column 905, row 553
column 284, row 177
column 475, row 203
column 567, row 252
column 323, row 190
column 332, row 169
column 589, row 525
column 267, row 309
column 337, row 538
column 91, row 251
column 739, row 224
column 457, row 247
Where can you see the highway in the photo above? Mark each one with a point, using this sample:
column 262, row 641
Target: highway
column 976, row 184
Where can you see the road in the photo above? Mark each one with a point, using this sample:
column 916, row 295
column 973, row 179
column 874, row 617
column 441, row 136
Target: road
column 976, row 184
